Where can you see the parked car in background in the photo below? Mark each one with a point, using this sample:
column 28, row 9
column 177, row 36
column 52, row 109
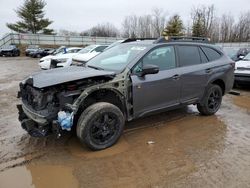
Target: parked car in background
column 60, row 50
column 236, row 53
column 64, row 58
column 115, row 44
column 41, row 52
column 124, row 83
column 242, row 71
column 10, row 50
column 125, row 41
column 31, row 48
column 88, row 53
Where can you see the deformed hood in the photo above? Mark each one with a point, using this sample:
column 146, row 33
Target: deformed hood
column 62, row 75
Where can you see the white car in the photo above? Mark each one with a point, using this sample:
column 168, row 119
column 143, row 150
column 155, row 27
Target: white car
column 242, row 71
column 88, row 53
column 61, row 59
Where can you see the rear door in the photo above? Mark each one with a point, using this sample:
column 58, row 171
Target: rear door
column 156, row 91
column 194, row 75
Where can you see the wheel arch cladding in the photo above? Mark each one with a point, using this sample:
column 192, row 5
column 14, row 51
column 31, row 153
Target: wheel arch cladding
column 102, row 95
column 220, row 83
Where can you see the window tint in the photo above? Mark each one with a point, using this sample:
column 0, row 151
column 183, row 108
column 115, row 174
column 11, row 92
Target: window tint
column 100, row 48
column 211, row 53
column 203, row 56
column 189, row 55
column 163, row 57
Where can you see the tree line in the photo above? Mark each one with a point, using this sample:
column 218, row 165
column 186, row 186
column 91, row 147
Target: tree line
column 203, row 22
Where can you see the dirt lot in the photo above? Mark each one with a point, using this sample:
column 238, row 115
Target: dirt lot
column 189, row 150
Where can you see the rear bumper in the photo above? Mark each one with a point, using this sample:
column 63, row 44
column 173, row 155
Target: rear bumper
column 242, row 78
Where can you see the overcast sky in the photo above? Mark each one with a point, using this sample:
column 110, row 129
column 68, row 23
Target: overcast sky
column 79, row 15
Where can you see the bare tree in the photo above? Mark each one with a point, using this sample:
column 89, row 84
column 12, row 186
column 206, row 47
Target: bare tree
column 242, row 29
column 145, row 26
column 130, row 26
column 158, row 21
column 102, row 30
column 226, row 27
column 65, row 32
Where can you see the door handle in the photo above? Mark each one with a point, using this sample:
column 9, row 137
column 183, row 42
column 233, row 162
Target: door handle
column 208, row 70
column 176, row 77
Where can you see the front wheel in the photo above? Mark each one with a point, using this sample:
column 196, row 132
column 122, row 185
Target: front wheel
column 100, row 125
column 211, row 101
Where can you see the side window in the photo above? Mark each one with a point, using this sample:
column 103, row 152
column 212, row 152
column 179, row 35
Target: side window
column 189, row 55
column 203, row 56
column 100, row 49
column 163, row 57
column 211, row 53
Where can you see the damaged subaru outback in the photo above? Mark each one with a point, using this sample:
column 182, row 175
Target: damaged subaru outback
column 126, row 82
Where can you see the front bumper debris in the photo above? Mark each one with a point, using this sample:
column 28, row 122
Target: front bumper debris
column 32, row 127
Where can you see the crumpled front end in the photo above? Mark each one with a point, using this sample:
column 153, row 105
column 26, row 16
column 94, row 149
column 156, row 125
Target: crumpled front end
column 49, row 108
column 38, row 110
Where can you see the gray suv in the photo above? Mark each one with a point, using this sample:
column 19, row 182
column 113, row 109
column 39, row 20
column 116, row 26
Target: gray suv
column 128, row 81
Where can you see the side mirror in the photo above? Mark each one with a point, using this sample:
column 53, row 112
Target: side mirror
column 149, row 69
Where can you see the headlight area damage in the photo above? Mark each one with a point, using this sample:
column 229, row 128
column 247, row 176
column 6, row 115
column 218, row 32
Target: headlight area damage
column 50, row 109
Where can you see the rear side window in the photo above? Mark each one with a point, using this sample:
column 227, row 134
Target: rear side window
column 203, row 56
column 211, row 54
column 189, row 55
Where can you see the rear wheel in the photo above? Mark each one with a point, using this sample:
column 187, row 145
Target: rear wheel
column 211, row 101
column 100, row 125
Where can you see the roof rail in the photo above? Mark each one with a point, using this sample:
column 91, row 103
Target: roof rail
column 137, row 39
column 182, row 39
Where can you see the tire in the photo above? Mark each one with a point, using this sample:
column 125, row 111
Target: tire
column 100, row 125
column 211, row 101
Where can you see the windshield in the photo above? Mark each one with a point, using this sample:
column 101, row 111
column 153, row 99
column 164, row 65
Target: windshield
column 60, row 50
column 116, row 58
column 87, row 49
column 247, row 57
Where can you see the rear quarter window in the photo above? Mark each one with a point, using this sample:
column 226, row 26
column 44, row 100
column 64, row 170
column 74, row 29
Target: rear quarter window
column 211, row 54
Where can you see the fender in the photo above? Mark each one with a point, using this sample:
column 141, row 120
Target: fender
column 119, row 86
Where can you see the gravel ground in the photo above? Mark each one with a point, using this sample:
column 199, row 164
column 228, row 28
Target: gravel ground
column 188, row 150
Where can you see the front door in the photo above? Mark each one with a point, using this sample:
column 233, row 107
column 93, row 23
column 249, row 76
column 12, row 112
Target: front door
column 156, row 91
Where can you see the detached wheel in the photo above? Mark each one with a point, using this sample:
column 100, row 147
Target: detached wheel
column 100, row 125
column 211, row 101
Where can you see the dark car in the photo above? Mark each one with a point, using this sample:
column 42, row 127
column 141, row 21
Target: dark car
column 31, row 48
column 41, row 52
column 236, row 53
column 10, row 50
column 128, row 81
